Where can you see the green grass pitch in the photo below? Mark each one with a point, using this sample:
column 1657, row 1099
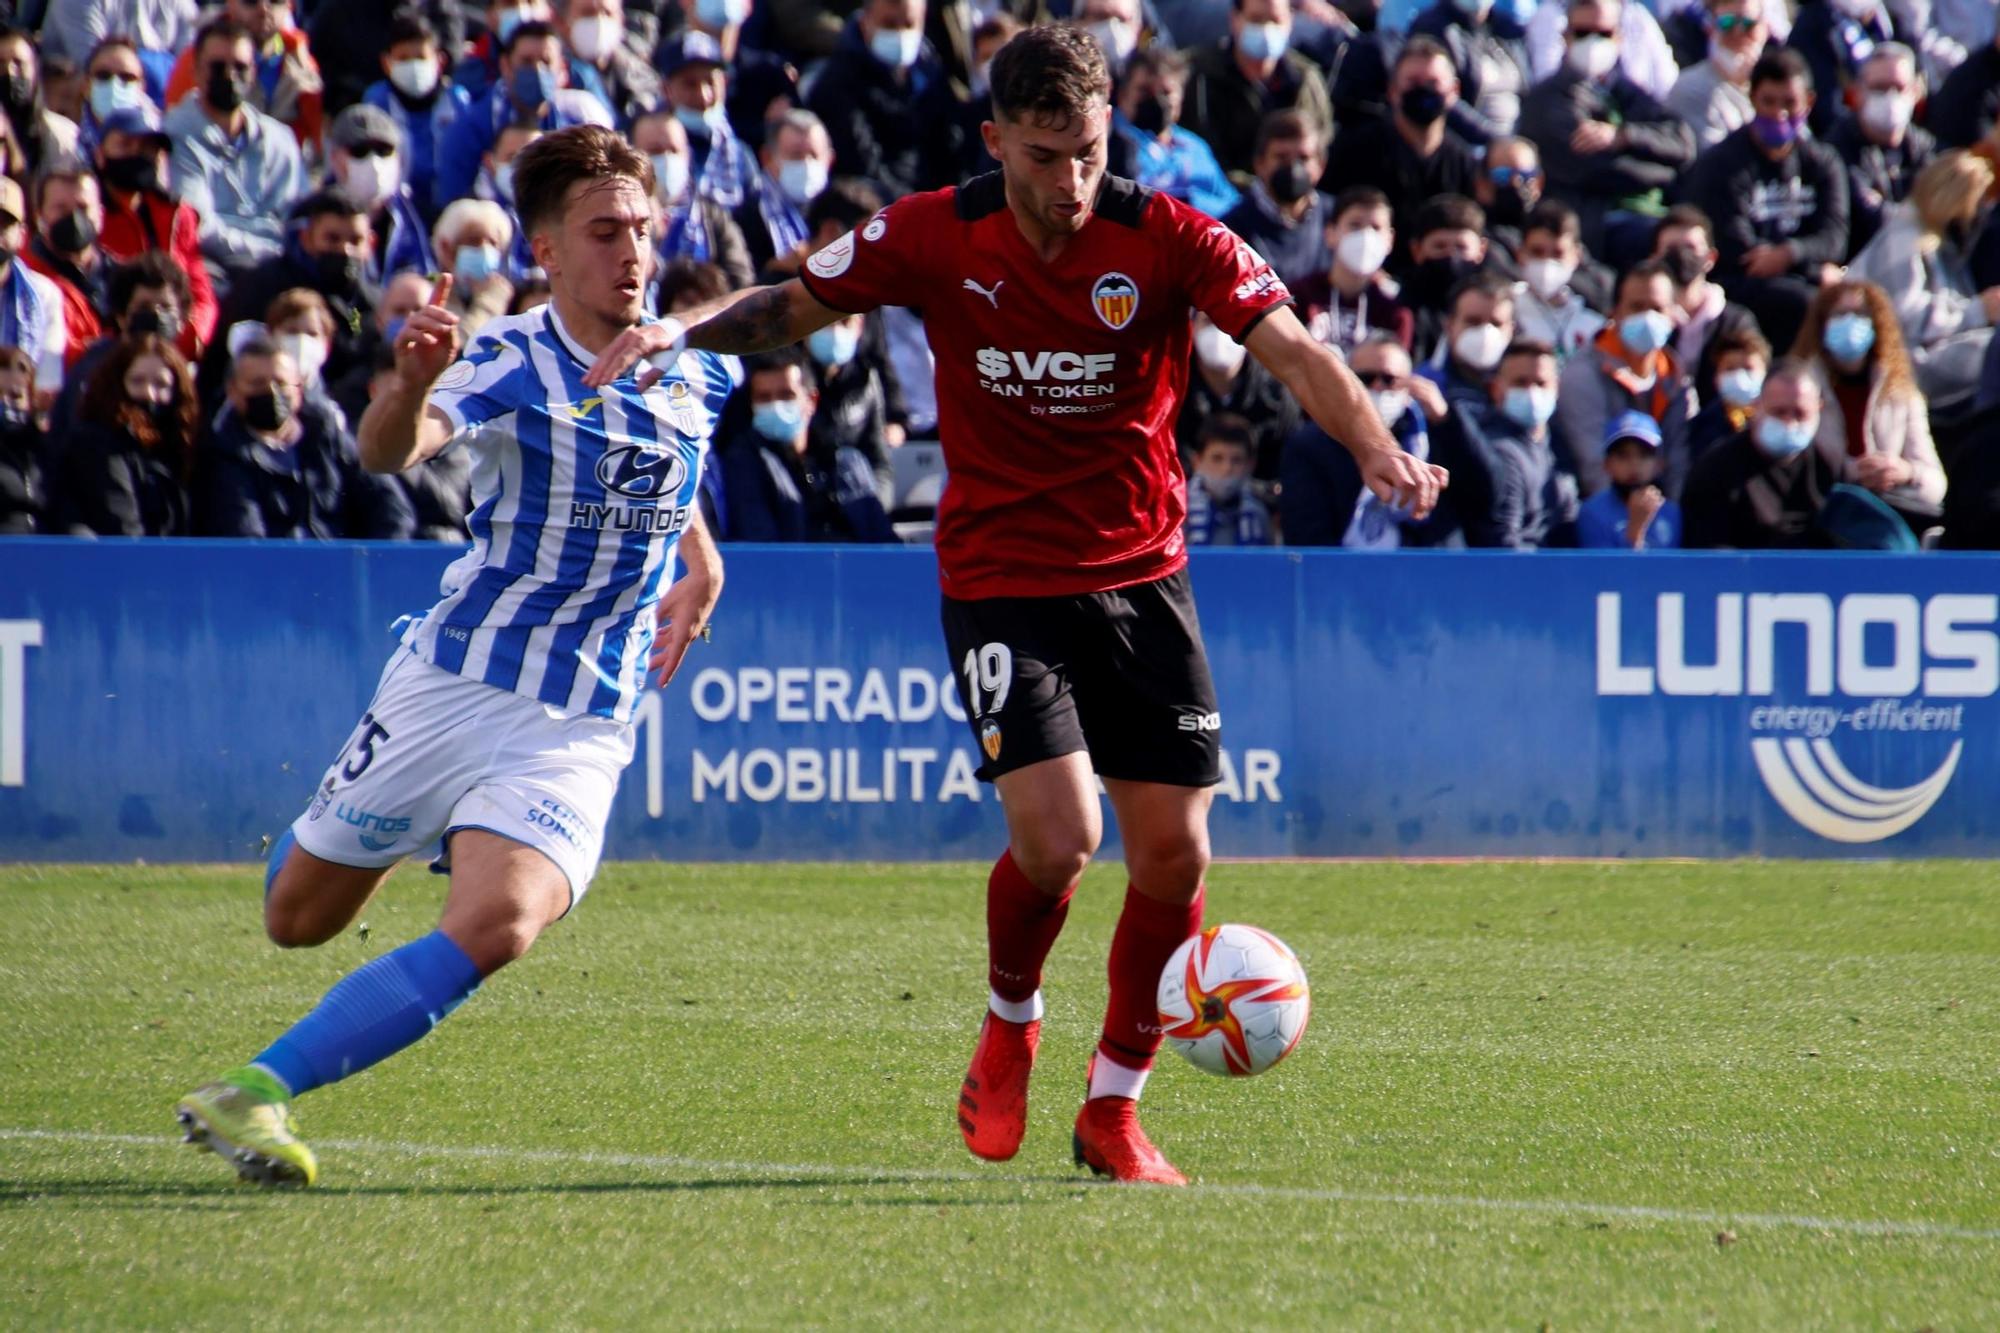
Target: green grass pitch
column 1737, row 1096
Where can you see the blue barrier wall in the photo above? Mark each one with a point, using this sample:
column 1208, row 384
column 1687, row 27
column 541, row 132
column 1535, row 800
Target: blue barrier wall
column 177, row 700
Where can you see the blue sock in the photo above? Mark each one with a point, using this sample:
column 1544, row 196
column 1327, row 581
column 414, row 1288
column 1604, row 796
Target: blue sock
column 281, row 847
column 372, row 1013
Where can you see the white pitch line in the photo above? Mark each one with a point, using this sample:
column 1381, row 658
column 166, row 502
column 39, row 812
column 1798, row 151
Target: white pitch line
column 862, row 1175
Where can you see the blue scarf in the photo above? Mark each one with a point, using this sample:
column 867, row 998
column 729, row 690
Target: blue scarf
column 687, row 233
column 1251, row 523
column 721, row 173
column 782, row 218
column 21, row 310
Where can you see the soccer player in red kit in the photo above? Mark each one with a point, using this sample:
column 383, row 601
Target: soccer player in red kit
column 1056, row 300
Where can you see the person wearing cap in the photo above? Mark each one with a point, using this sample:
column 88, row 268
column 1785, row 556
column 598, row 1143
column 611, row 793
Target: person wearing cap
column 697, row 86
column 757, row 77
column 1629, row 366
column 598, row 50
column 885, row 100
column 690, row 225
column 532, row 88
column 69, row 216
column 140, row 215
column 1630, row 512
column 366, row 156
column 31, row 306
column 238, row 167
column 415, row 92
column 287, row 86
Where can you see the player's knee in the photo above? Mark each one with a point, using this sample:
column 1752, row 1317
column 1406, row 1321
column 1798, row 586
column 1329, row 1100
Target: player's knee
column 1055, row 860
column 496, row 941
column 1169, row 865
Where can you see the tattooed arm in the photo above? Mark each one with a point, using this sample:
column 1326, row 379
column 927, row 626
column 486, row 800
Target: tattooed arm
column 755, row 320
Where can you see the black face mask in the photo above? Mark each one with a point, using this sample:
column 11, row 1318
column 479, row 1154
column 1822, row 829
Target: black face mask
column 1150, row 116
column 1431, row 282
column 336, row 274
column 223, row 90
column 17, row 92
column 1510, row 205
column 1291, row 183
column 1421, row 106
column 1683, row 265
column 1624, row 490
column 74, row 233
column 149, row 320
column 268, row 411
column 131, row 174
column 164, row 416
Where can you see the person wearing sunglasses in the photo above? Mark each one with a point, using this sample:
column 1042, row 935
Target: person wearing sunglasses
column 1713, row 97
column 287, row 86
column 1322, row 501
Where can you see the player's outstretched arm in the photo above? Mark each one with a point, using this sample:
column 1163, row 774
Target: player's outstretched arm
column 1337, row 403
column 755, row 319
column 400, row 429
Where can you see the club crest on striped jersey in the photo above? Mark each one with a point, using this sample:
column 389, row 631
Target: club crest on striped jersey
column 1115, row 298
column 642, row 472
column 683, row 408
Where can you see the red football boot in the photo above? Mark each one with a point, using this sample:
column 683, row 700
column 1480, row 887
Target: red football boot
column 1109, row 1141
column 993, row 1103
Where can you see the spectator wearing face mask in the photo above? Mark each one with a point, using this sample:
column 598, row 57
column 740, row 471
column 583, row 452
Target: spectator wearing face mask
column 351, row 38
column 721, row 166
column 31, row 306
column 1713, row 97
column 1222, row 510
column 24, row 498
column 471, row 241
column 485, row 62
column 1236, row 84
column 1778, row 201
column 1508, row 185
column 147, row 296
column 1836, row 38
column 1282, row 215
column 1447, row 246
column 125, row 461
column 277, row 463
column 1354, row 299
column 1488, row 53
column 1512, row 491
column 692, row 226
column 239, row 169
column 971, row 157
column 141, row 216
column 1226, row 380
column 1120, row 27
column 1553, row 307
column 1631, row 513
column 328, row 249
column 402, row 296
column 367, row 161
column 1643, row 54
column 1764, row 487
column 1411, row 156
column 300, row 325
column 1883, row 151
column 1702, row 311
column 1323, row 502
column 852, row 410
column 599, row 48
column 1630, row 366
column 496, row 186
column 157, row 29
column 1159, row 152
column 1875, row 426
column 64, row 250
column 43, row 135
column 285, row 85
column 532, row 90
column 885, row 101
column 779, row 488
column 1478, row 329
column 421, row 99
column 114, row 80
column 1739, row 359
column 797, row 161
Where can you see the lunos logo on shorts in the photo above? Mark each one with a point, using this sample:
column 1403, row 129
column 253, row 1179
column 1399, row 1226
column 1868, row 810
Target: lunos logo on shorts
column 1860, row 670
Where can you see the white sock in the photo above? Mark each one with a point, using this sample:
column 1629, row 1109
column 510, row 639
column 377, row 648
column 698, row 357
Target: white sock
column 1108, row 1078
column 1016, row 1011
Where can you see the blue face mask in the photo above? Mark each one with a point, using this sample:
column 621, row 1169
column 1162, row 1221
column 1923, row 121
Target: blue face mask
column 108, row 95
column 896, row 47
column 1646, row 331
column 1740, row 387
column 1849, row 337
column 1530, row 409
column 1784, row 439
column 834, row 345
column 475, row 263
column 721, row 13
column 698, row 122
column 1265, row 41
column 778, row 420
column 532, row 86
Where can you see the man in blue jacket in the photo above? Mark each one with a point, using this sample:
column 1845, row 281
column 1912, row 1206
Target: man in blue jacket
column 1162, row 153
column 778, row 488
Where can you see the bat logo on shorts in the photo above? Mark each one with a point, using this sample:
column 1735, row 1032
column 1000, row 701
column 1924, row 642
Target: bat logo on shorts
column 642, row 473
column 989, row 738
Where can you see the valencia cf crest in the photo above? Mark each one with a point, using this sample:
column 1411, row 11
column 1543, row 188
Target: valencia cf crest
column 1115, row 298
column 989, row 739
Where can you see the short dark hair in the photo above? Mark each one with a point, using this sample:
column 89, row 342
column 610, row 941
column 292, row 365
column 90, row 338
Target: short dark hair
column 1746, row 339
column 410, row 25
column 1644, row 271
column 1163, row 61
column 1685, row 215
column 151, row 269
column 1527, row 347
column 532, row 28
column 778, row 359
column 1553, row 216
column 63, row 168
column 1482, row 282
column 1448, row 212
column 1001, row 24
column 1780, row 65
column 1283, row 127
column 545, row 170
column 327, row 201
column 228, row 29
column 1357, row 196
column 1228, row 428
column 1053, row 72
column 847, row 201
column 1422, row 47
column 690, row 277
column 114, row 42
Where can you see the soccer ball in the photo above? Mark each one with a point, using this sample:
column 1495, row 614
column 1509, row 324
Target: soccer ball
column 1233, row 1000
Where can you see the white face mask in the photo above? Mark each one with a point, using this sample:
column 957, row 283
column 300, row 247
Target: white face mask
column 1546, row 277
column 308, row 352
column 595, row 38
column 1887, row 113
column 1118, row 38
column 1592, row 57
column 503, row 182
column 1363, row 251
column 802, row 179
column 1390, row 404
column 671, row 171
column 1480, row 346
column 414, row 78
column 1734, row 65
column 372, row 180
column 1217, row 350
column 1223, row 489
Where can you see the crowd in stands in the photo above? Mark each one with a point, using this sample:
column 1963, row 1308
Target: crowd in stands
column 1642, row 274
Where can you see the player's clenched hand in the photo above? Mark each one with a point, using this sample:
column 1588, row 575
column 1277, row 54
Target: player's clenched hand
column 667, row 339
column 683, row 615
column 429, row 340
column 1405, row 482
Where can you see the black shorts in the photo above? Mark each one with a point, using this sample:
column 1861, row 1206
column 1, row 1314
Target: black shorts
column 1121, row 674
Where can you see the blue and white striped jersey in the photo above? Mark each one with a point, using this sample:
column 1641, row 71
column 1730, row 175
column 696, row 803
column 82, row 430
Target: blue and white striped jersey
column 579, row 499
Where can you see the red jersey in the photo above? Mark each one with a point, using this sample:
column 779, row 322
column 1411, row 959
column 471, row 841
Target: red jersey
column 1058, row 382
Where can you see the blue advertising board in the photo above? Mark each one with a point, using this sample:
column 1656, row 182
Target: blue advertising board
column 179, row 701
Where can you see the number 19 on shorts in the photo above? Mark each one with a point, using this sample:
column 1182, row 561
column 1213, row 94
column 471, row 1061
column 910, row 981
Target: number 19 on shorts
column 989, row 674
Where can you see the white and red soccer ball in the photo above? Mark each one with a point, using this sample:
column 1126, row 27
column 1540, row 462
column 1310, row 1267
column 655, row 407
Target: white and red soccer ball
column 1233, row 1000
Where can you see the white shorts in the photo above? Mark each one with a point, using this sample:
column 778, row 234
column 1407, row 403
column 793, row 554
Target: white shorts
column 436, row 753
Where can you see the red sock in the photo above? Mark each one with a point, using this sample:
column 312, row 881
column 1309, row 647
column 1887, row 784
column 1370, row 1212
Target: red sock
column 1022, row 923
column 1148, row 933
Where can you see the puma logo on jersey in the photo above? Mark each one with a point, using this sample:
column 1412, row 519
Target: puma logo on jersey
column 992, row 297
